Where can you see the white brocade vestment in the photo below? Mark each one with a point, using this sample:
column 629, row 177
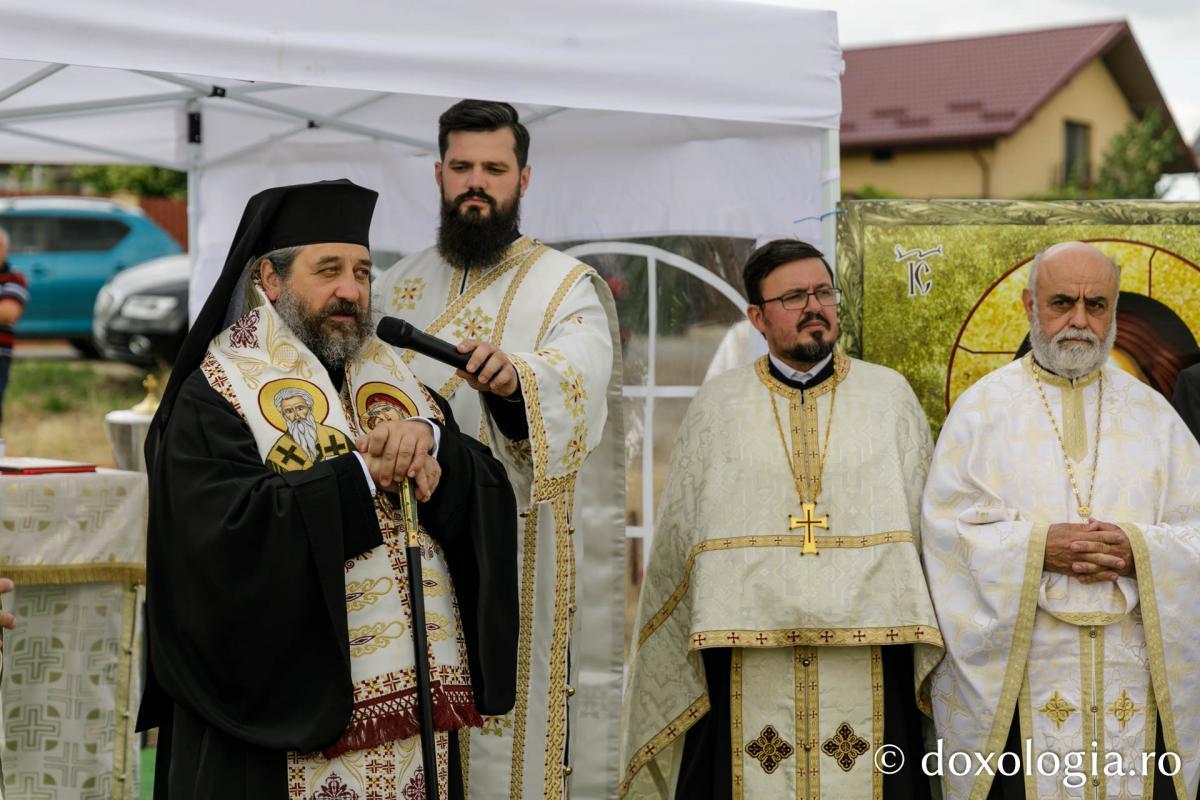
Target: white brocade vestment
column 1086, row 668
column 554, row 317
column 805, row 631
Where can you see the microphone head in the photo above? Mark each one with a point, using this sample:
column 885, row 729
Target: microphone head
column 394, row 331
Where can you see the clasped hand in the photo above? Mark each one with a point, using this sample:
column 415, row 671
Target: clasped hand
column 1092, row 551
column 398, row 450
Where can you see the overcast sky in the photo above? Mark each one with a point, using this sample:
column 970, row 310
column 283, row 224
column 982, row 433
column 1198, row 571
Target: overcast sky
column 1168, row 32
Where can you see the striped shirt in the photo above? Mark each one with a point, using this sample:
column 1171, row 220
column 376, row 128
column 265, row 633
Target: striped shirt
column 12, row 287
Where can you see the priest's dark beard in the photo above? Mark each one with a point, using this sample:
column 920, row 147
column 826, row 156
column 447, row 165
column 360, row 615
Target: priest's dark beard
column 468, row 239
column 335, row 344
column 814, row 352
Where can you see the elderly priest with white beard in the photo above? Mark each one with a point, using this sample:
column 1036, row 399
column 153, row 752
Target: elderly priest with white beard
column 280, row 625
column 1061, row 526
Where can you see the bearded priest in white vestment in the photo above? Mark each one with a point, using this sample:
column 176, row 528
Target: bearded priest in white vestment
column 542, row 389
column 1062, row 543
column 784, row 627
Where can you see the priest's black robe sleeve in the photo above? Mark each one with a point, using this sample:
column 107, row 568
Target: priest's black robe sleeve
column 246, row 606
column 509, row 414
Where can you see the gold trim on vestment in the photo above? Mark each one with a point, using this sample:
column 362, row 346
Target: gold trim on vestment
column 127, row 661
column 799, row 681
column 1151, row 730
column 841, row 366
column 456, row 304
column 62, row 574
column 560, row 294
column 560, row 643
column 815, row 637
column 1074, row 424
column 451, row 386
column 1091, row 701
column 464, row 759
column 763, row 540
column 661, row 740
column 735, row 722
column 1025, row 714
column 524, row 650
column 877, row 711
column 1152, row 628
column 1018, row 654
column 812, row 729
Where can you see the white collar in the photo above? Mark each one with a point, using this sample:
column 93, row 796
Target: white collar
column 796, row 375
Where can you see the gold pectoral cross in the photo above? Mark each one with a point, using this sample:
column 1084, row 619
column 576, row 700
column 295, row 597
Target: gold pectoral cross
column 808, row 522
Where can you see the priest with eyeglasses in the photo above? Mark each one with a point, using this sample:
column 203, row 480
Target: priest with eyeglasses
column 785, row 630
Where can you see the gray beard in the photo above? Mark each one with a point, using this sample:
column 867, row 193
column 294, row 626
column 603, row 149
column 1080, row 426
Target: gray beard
column 335, row 349
column 304, row 433
column 1072, row 360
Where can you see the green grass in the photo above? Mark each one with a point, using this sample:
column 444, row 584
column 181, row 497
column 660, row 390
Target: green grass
column 55, row 409
column 60, row 386
column 146, row 787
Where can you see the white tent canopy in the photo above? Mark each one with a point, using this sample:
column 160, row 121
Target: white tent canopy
column 706, row 117
column 681, row 117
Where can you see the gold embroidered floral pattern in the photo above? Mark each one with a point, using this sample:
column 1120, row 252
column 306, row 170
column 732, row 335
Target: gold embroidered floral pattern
column 496, row 726
column 1124, row 709
column 551, row 356
column 1057, row 709
column 770, row 749
column 576, row 447
column 473, row 324
column 845, row 746
column 369, row 638
column 521, row 452
column 409, row 293
column 437, row 627
column 574, row 392
column 360, row 594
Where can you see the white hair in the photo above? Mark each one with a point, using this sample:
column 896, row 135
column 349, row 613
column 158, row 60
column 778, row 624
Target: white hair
column 288, row 394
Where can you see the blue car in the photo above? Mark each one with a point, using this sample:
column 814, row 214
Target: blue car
column 68, row 247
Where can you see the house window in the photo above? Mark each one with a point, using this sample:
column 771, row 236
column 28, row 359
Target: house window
column 1077, row 169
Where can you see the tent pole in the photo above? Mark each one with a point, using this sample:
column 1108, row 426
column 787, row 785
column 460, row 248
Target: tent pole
column 195, row 146
column 831, row 192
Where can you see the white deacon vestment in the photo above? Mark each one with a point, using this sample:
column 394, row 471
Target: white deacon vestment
column 554, row 317
column 1089, row 668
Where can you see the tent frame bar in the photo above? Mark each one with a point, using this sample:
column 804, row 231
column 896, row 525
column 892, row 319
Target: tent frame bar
column 31, row 80
column 131, row 158
column 288, row 133
column 313, row 119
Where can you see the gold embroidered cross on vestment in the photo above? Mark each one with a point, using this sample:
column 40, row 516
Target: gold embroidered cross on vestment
column 808, row 480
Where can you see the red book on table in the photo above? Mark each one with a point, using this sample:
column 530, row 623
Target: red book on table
column 41, row 466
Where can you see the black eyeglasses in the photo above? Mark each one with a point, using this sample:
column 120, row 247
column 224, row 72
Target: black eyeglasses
column 797, row 300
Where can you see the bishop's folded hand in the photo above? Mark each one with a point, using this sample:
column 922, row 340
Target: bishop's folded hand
column 400, row 449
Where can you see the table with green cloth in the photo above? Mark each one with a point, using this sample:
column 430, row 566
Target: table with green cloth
column 75, row 545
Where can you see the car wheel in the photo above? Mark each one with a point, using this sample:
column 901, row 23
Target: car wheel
column 86, row 348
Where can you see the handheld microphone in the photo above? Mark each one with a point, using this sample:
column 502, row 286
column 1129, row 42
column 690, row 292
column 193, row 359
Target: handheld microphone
column 401, row 333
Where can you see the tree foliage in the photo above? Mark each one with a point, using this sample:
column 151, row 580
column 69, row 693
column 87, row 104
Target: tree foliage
column 1136, row 158
column 142, row 180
